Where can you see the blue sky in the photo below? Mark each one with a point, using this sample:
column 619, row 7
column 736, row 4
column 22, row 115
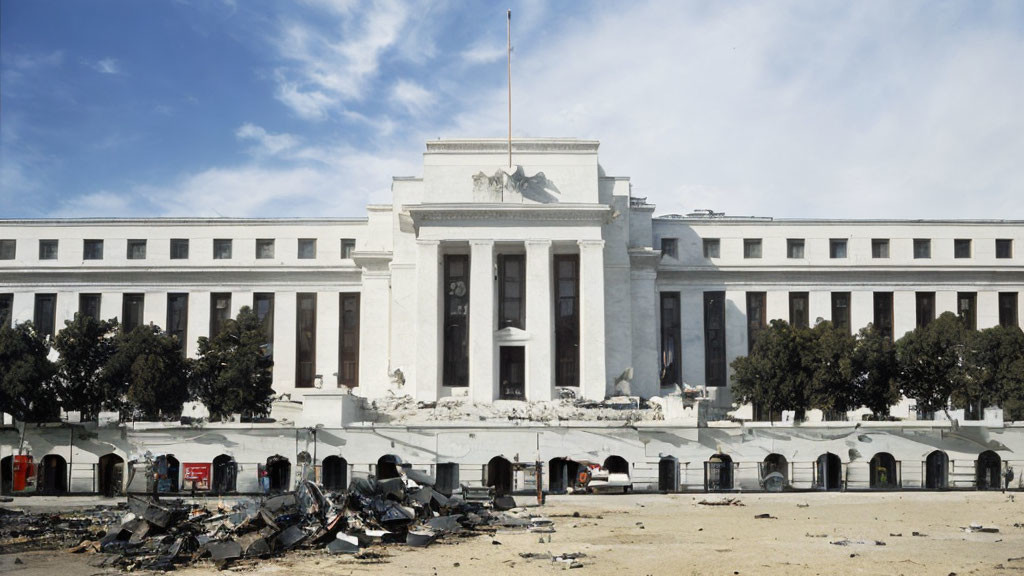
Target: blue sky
column 247, row 108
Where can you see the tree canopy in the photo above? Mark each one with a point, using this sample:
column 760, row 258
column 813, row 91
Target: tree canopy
column 149, row 365
column 26, row 374
column 996, row 358
column 874, row 370
column 83, row 381
column 232, row 373
column 775, row 376
column 828, row 359
column 932, row 362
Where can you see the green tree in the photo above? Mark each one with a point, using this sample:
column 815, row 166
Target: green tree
column 232, row 373
column 86, row 346
column 149, row 366
column 875, row 371
column 997, row 362
column 932, row 362
column 828, row 361
column 26, row 375
column 774, row 377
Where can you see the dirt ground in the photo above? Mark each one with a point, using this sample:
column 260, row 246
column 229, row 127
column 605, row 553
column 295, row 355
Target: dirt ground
column 674, row 534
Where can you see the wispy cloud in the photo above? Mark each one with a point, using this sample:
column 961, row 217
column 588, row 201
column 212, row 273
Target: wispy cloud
column 482, row 53
column 265, row 142
column 411, row 96
column 104, row 66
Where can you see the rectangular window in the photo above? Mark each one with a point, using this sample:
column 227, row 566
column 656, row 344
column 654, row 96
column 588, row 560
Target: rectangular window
column 1008, row 309
column 177, row 318
column 348, row 246
column 6, row 309
column 348, row 353
column 264, row 248
column 925, row 308
column 132, row 307
column 967, row 308
column 795, row 248
column 456, row 320
column 222, row 249
column 837, row 248
column 671, row 339
column 512, row 372
column 511, row 291
column 567, row 320
column 714, row 339
column 922, row 248
column 799, row 314
column 962, row 248
column 670, row 247
column 305, row 340
column 752, row 248
column 712, row 248
column 179, row 248
column 883, row 313
column 8, row 249
column 220, row 312
column 263, row 304
column 1004, row 248
column 47, row 249
column 89, row 305
column 841, row 311
column 307, row 248
column 756, row 318
column 136, row 249
column 92, row 250
column 44, row 316
column 880, row 248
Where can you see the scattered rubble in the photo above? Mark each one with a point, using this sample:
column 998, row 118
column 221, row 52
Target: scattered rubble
column 722, row 502
column 980, row 528
column 406, row 409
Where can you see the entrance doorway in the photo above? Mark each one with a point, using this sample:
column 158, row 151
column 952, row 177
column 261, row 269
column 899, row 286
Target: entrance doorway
column 883, row 473
column 225, row 471
column 512, row 373
column 53, row 475
column 561, row 474
column 718, row 473
column 335, row 473
column 988, row 471
column 279, row 473
column 110, row 475
column 668, row 474
column 6, row 474
column 388, row 466
column 499, row 475
column 936, row 470
column 828, row 472
column 447, row 478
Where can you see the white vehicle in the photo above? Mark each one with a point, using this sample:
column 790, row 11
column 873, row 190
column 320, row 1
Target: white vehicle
column 592, row 477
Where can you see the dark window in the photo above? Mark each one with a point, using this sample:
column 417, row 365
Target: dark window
column 799, row 315
column 263, row 304
column 1008, row 309
column 962, row 248
column 264, row 248
column 671, row 336
column 712, row 248
column 179, row 248
column 8, row 249
column 6, row 309
column 177, row 318
column 92, row 250
column 132, row 307
column 305, row 340
column 925, row 308
column 307, row 248
column 883, row 313
column 348, row 246
column 348, row 353
column 837, row 248
column 795, row 248
column 222, row 249
column 220, row 312
column 670, row 247
column 512, row 370
column 89, row 305
column 756, row 318
column 714, row 338
column 45, row 316
column 841, row 310
column 1004, row 248
column 880, row 248
column 511, row 291
column 47, row 249
column 136, row 249
column 967, row 308
column 922, row 248
column 752, row 248
column 567, row 320
column 456, row 320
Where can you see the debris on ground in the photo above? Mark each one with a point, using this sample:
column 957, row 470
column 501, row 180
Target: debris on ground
column 722, row 502
column 765, row 516
column 980, row 528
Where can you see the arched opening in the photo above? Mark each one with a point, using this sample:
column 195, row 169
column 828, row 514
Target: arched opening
column 389, row 466
column 169, row 474
column 936, row 470
column 6, row 474
column 718, row 473
column 618, row 472
column 561, row 475
column 499, row 475
column 447, row 478
column 335, row 473
column 53, row 475
column 110, row 475
column 279, row 474
column 668, row 474
column 883, row 474
column 988, row 471
column 775, row 472
column 225, row 473
column 828, row 472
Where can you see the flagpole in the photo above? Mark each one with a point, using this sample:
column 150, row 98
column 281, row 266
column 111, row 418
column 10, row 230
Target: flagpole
column 509, row 36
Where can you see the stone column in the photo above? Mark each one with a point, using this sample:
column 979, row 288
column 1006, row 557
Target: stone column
column 428, row 312
column 592, row 361
column 374, row 320
column 483, row 385
column 539, row 324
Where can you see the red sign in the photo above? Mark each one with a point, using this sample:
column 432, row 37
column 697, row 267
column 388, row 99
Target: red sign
column 196, row 475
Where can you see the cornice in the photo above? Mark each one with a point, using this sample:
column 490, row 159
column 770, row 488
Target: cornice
column 180, row 221
column 175, row 277
column 848, row 276
column 559, row 213
column 519, row 146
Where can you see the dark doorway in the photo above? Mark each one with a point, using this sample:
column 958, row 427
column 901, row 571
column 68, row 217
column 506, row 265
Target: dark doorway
column 883, row 472
column 718, row 473
column 561, row 475
column 447, row 478
column 6, row 474
column 616, row 465
column 110, row 475
column 499, row 475
column 775, row 463
column 512, row 368
column 389, row 466
column 988, row 471
column 668, row 474
column 169, row 476
column 335, row 473
column 828, row 472
column 53, row 475
column 225, row 471
column 279, row 473
column 936, row 470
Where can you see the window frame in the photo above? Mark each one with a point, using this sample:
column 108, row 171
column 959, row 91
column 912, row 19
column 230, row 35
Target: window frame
column 45, row 245
column 709, row 245
column 218, row 248
column 1007, row 245
column 505, row 320
column 670, row 247
column 132, row 247
column 306, row 243
column 922, row 248
column 262, row 244
column 750, row 245
column 92, row 249
column 878, row 246
column 348, row 246
column 794, row 245
column 797, row 318
column 837, row 245
column 8, row 248
column 958, row 244
column 176, row 245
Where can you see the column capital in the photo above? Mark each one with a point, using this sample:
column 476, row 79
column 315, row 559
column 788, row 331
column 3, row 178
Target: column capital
column 537, row 243
column 590, row 243
column 481, row 242
column 421, row 242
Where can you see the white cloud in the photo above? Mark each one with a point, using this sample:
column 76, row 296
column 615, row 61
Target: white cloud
column 265, row 142
column 481, row 53
column 105, row 66
column 413, row 97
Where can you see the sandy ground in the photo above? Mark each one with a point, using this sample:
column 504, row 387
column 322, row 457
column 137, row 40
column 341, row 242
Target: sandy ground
column 673, row 534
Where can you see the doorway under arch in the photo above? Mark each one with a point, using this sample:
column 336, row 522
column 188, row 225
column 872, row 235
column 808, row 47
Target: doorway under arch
column 561, row 475
column 718, row 473
column 499, row 475
column 53, row 475
column 279, row 472
column 169, row 474
column 936, row 470
column 668, row 474
column 389, row 466
column 988, row 470
column 883, row 474
column 225, row 473
column 6, row 474
column 110, row 475
column 775, row 463
column 334, row 471
column 828, row 472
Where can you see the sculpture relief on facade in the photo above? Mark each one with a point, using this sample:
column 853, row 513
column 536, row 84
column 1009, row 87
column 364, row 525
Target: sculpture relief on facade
column 514, row 187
